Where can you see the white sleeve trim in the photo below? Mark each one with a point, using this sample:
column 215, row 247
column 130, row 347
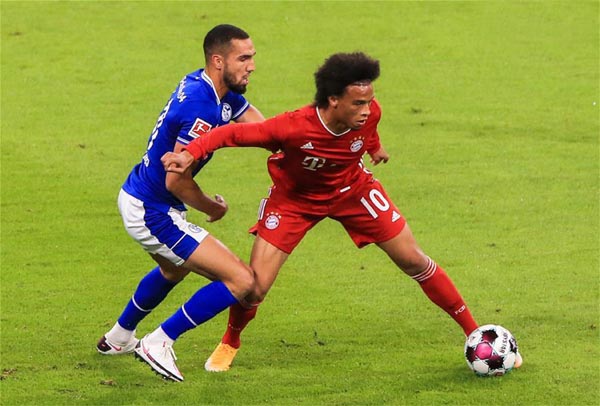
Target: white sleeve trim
column 241, row 111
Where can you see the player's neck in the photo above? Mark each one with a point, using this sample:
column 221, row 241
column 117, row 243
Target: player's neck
column 217, row 81
column 329, row 120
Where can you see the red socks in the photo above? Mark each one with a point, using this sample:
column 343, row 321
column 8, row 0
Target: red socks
column 439, row 288
column 239, row 317
column 434, row 281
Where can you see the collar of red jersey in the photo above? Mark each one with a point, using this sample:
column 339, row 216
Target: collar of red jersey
column 325, row 126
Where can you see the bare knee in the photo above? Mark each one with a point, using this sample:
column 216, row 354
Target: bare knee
column 170, row 271
column 414, row 264
column 257, row 295
column 410, row 259
column 174, row 276
column 242, row 282
column 405, row 252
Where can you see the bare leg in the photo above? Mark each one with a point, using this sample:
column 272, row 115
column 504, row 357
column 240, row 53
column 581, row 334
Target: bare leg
column 437, row 285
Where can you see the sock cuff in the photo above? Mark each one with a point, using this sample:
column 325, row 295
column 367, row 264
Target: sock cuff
column 159, row 336
column 427, row 273
column 187, row 316
column 224, row 289
column 138, row 306
column 207, row 302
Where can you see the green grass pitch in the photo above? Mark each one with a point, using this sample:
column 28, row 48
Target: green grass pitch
column 490, row 114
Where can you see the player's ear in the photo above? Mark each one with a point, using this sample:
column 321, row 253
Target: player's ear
column 217, row 61
column 333, row 101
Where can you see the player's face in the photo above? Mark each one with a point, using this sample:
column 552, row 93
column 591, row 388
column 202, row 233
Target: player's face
column 354, row 106
column 239, row 64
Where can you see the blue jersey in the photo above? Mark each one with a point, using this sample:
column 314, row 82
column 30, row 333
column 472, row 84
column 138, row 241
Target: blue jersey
column 193, row 109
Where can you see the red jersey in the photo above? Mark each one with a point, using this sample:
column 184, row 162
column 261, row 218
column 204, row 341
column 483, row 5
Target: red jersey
column 312, row 162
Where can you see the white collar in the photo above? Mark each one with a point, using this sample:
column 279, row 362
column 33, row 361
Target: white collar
column 328, row 130
column 212, row 85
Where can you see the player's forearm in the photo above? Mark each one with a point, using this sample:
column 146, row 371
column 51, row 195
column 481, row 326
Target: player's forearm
column 198, row 200
column 231, row 135
column 188, row 191
column 204, row 203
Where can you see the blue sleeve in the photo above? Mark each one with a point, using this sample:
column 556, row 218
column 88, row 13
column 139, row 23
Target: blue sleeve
column 238, row 104
column 196, row 118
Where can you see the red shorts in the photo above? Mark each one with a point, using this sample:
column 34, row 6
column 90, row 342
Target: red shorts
column 365, row 211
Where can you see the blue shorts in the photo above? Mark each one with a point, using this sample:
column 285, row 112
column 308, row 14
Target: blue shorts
column 167, row 234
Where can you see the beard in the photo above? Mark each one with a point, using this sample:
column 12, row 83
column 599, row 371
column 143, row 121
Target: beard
column 234, row 87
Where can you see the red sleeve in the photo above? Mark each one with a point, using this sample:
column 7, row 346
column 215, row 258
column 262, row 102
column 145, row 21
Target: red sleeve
column 373, row 143
column 263, row 134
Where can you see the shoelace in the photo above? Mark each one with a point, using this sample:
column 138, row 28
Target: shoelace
column 167, row 349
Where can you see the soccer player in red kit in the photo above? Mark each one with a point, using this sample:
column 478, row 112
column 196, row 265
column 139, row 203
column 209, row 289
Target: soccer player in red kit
column 317, row 172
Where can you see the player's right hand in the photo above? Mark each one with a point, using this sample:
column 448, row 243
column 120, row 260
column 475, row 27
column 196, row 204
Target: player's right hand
column 177, row 162
column 218, row 210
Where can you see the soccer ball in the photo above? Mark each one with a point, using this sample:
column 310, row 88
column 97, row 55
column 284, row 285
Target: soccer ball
column 491, row 350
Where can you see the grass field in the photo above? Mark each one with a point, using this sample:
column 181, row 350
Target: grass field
column 491, row 116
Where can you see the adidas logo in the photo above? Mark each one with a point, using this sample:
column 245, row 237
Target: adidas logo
column 308, row 145
column 395, row 216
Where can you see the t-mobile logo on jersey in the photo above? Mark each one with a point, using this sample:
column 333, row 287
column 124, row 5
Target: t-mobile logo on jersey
column 313, row 163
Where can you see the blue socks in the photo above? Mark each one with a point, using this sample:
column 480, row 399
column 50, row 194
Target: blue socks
column 202, row 306
column 152, row 289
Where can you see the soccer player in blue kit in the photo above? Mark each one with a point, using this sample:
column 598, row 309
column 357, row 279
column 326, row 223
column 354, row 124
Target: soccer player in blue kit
column 152, row 205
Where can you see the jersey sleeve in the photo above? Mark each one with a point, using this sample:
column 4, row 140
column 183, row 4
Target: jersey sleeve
column 238, row 104
column 266, row 134
column 373, row 142
column 194, row 120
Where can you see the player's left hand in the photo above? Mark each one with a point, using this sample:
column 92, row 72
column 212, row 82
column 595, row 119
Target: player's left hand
column 380, row 156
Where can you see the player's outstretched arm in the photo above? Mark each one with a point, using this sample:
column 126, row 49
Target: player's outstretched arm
column 231, row 135
column 177, row 162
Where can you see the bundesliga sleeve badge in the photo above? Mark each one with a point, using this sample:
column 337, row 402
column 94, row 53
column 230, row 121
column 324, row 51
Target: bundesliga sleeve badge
column 200, row 127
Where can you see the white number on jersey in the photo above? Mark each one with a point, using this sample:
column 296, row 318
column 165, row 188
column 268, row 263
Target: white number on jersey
column 159, row 122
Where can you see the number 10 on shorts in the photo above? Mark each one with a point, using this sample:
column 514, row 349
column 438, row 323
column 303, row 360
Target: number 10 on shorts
column 375, row 199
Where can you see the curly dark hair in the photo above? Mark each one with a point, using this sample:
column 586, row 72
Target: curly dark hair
column 218, row 39
column 341, row 70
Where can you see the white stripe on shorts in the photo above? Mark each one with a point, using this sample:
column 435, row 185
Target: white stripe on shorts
column 261, row 208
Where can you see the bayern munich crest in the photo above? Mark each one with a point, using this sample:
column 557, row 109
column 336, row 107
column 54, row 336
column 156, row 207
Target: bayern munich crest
column 272, row 221
column 356, row 145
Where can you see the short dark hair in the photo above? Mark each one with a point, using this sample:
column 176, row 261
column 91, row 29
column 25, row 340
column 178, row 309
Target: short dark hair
column 341, row 70
column 219, row 38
